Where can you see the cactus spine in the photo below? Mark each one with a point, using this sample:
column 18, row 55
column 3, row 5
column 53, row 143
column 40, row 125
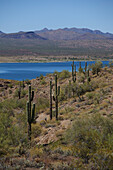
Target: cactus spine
column 50, row 100
column 57, row 92
column 30, row 111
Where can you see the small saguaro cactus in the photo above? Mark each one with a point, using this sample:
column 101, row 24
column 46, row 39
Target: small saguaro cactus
column 72, row 65
column 30, row 111
column 57, row 92
column 73, row 72
column 23, row 85
column 51, row 86
column 19, row 91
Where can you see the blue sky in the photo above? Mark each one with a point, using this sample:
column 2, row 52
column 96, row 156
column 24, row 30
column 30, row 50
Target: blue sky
column 30, row 15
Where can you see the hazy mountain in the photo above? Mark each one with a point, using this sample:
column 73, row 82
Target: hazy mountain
column 60, row 42
column 1, row 33
column 60, row 34
column 73, row 34
column 22, row 35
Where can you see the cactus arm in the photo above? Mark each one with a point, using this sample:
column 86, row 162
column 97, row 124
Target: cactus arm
column 58, row 90
column 32, row 96
column 33, row 113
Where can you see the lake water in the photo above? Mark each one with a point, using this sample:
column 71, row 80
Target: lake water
column 22, row 71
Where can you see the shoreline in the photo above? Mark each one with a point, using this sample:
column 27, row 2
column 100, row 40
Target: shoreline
column 50, row 59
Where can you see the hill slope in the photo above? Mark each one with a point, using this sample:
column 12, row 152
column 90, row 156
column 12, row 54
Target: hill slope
column 22, row 35
column 80, row 139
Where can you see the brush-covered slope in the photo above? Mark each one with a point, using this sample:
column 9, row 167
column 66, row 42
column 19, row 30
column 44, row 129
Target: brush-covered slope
column 80, row 139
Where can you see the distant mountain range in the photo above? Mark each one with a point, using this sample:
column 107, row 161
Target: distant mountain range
column 60, row 42
column 73, row 34
column 21, row 35
column 60, row 34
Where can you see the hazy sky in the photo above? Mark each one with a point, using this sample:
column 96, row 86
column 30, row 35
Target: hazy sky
column 30, row 15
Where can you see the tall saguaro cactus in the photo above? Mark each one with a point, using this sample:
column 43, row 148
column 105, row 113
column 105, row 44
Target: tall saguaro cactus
column 30, row 111
column 51, row 99
column 57, row 92
column 72, row 65
column 88, row 77
column 85, row 68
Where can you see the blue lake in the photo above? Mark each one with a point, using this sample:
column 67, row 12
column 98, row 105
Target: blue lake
column 22, row 71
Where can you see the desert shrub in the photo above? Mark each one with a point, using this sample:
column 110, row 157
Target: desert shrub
column 81, row 77
column 80, row 70
column 22, row 94
column 10, row 91
column 10, row 85
column 111, row 64
column 42, row 103
column 92, row 138
column 96, row 68
column 57, row 73
column 36, row 130
column 64, row 74
column 12, row 133
column 27, row 81
column 43, row 82
column 62, row 95
column 90, row 95
column 21, row 103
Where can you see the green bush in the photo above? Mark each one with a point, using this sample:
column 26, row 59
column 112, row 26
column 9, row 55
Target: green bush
column 12, row 133
column 27, row 81
column 96, row 68
column 91, row 138
column 42, row 104
column 62, row 75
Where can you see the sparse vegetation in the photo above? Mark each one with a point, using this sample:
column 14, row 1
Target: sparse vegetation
column 81, row 137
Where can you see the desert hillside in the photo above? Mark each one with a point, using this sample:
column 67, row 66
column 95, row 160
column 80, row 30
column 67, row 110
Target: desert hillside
column 80, row 137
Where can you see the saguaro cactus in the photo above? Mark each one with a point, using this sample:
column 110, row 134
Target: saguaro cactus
column 57, row 92
column 23, row 85
column 19, row 93
column 51, row 99
column 69, row 89
column 73, row 72
column 85, row 68
column 30, row 111
column 88, row 77
column 72, row 65
column 80, row 68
